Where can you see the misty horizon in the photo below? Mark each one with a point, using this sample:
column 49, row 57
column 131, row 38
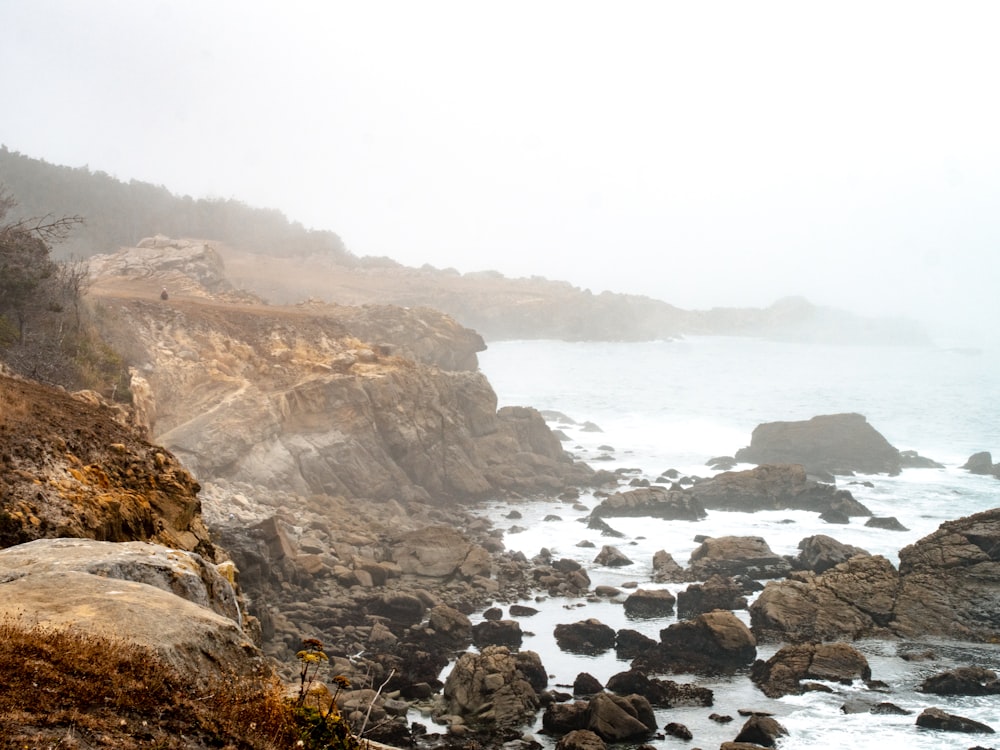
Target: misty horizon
column 730, row 159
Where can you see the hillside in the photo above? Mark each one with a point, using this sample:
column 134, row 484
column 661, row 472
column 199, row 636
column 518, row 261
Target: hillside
column 283, row 262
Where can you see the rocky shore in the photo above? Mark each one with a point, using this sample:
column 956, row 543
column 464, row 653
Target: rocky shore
column 313, row 472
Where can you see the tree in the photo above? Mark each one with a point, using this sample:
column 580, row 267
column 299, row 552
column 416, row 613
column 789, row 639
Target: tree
column 25, row 265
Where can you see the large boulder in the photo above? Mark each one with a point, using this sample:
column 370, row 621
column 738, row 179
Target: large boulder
column 982, row 463
column 820, row 552
column 852, row 600
column 650, row 603
column 935, row 718
column 950, row 581
column 713, row 643
column 492, row 689
column 652, row 502
column 735, row 556
column 718, row 592
column 962, row 681
column 589, row 636
column 774, row 486
column 439, row 552
column 616, row 718
column 832, row 443
column 783, row 673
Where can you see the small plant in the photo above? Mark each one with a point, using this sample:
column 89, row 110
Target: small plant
column 321, row 727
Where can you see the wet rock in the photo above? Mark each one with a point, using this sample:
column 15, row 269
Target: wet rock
column 620, row 719
column 783, row 673
column 660, row 693
column 497, row 633
column 935, row 718
column 649, row 603
column 761, row 730
column 521, row 610
column 581, row 739
column 713, row 643
column 589, row 636
column 665, row 568
column 491, row 688
column 913, row 460
column 681, row 732
column 631, row 643
column 612, row 557
column 654, row 502
column 450, row 625
column 819, row 553
column 963, row 681
column 734, row 556
column 586, row 684
column 599, row 524
column 981, row 463
column 889, row 523
column 718, row 592
column 774, row 487
column 837, row 443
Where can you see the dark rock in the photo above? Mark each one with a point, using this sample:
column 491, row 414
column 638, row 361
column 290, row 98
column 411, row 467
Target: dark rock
column 585, row 637
column 660, row 693
column 935, row 718
column 819, row 553
column 493, row 613
column 560, row 718
column 520, row 610
column 619, row 719
column 713, row 643
column 963, row 681
column 654, row 502
column 834, row 662
column 581, row 739
column 612, row 557
column 889, row 709
column 497, row 633
column 718, row 592
column 631, row 643
column 586, row 684
column 889, row 523
column 761, row 730
column 980, row 463
column 673, row 729
column 650, row 603
column 913, row 460
column 601, row 525
column 720, row 718
column 721, row 463
column 838, row 443
column 450, row 625
column 835, row 516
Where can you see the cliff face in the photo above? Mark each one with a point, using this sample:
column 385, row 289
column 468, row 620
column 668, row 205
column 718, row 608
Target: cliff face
column 370, row 402
column 69, row 468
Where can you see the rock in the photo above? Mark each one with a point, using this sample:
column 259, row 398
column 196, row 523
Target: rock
column 599, row 524
column 439, row 552
column 521, row 610
column 649, row 603
column 491, row 689
column 950, row 581
column 837, row 443
column 619, row 719
column 631, row 643
column 773, row 487
column 734, row 556
column 654, row 502
column 852, row 600
column 913, row 460
column 660, row 693
column 560, row 718
column 611, row 557
column 935, row 718
column 450, row 625
column 721, row 463
column 761, row 730
column 497, row 633
column 718, row 592
column 586, row 684
column 589, row 636
column 580, row 739
column 783, row 673
column 962, row 681
column 681, row 732
column 713, row 643
column 819, row 553
column 980, row 463
column 402, row 609
column 889, row 523
column 186, row 574
column 665, row 569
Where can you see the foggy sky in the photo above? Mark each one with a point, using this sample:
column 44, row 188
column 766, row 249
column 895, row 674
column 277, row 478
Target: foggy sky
column 707, row 154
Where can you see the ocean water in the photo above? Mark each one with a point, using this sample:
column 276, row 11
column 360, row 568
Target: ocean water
column 675, row 404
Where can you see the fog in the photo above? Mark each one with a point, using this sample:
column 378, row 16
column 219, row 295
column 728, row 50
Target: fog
column 707, row 154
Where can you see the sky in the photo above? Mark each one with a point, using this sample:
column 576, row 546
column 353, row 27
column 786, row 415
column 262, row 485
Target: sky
column 704, row 153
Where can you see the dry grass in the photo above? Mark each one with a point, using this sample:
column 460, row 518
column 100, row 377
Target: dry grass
column 64, row 689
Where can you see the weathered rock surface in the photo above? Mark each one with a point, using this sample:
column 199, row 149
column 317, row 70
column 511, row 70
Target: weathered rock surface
column 834, row 443
column 494, row 688
column 718, row 592
column 654, row 502
column 963, row 681
column 735, row 556
column 713, row 643
column 935, row 718
column 649, row 603
column 761, row 730
column 774, row 486
column 70, row 468
column 783, row 673
column 948, row 584
column 660, row 693
column 820, row 552
column 589, row 636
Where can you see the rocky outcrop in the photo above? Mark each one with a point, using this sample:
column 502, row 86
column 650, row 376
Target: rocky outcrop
column 660, row 693
column 494, row 688
column 713, row 643
column 718, row 592
column 84, row 586
column 74, row 467
column 831, row 443
column 784, row 672
column 735, row 556
column 948, row 584
column 820, row 552
column 780, row 486
column 963, row 681
column 654, row 502
column 982, row 463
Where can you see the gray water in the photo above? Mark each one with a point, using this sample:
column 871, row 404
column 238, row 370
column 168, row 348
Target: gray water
column 663, row 405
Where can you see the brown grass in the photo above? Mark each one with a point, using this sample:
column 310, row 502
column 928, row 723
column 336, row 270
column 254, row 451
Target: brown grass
column 67, row 689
